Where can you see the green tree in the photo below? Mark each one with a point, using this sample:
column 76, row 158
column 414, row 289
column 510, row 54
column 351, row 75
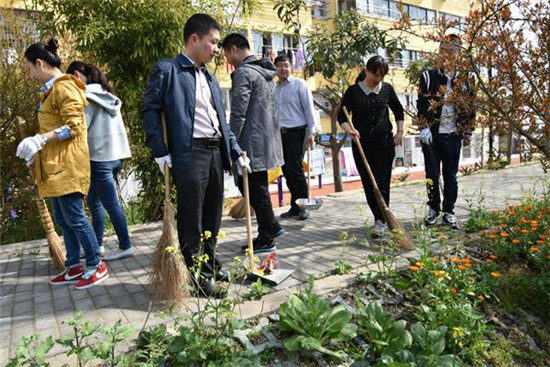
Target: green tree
column 19, row 220
column 337, row 52
column 126, row 38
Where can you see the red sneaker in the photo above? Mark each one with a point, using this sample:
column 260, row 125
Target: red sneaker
column 93, row 277
column 69, row 276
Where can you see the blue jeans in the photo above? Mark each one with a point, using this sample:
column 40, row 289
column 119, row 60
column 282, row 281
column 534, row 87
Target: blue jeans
column 68, row 212
column 103, row 196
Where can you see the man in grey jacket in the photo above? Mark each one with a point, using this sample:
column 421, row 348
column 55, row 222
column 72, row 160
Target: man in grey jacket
column 254, row 122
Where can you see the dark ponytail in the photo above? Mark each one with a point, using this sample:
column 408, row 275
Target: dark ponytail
column 45, row 52
column 93, row 74
column 362, row 75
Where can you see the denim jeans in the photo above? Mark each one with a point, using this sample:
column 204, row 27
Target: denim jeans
column 103, row 196
column 68, row 212
column 442, row 155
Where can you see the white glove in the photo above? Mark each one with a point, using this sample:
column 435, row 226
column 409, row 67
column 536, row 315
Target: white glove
column 241, row 163
column 162, row 160
column 426, row 136
column 29, row 147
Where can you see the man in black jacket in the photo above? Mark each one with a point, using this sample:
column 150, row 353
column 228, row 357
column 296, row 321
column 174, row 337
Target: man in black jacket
column 200, row 144
column 446, row 117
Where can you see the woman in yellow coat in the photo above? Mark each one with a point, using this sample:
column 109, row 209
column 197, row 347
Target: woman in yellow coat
column 60, row 155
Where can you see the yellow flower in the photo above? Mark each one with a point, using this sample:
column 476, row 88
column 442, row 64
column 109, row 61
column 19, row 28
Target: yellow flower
column 171, row 249
column 207, row 234
column 443, row 236
column 414, row 268
column 343, row 235
column 420, row 264
column 481, row 298
column 438, row 272
column 221, row 235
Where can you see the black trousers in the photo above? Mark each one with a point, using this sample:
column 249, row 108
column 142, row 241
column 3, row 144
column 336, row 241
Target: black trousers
column 293, row 153
column 380, row 151
column 444, row 152
column 260, row 200
column 200, row 203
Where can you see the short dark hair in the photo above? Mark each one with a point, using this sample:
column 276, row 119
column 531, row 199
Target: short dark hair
column 200, row 24
column 452, row 40
column 237, row 40
column 282, row 58
column 378, row 64
column 45, row 52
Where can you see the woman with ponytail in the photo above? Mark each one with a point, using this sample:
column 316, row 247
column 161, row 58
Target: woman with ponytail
column 108, row 144
column 59, row 153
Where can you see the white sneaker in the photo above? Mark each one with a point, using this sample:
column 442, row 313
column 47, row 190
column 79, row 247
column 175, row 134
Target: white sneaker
column 119, row 254
column 101, row 252
column 379, row 228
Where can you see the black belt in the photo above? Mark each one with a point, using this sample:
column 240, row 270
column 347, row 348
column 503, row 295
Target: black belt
column 207, row 143
column 285, row 130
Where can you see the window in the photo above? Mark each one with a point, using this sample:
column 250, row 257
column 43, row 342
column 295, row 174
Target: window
column 320, row 9
column 345, row 5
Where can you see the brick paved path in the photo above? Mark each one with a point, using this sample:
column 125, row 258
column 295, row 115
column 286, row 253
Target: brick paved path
column 30, row 304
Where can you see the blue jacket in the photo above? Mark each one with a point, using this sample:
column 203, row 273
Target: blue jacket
column 172, row 88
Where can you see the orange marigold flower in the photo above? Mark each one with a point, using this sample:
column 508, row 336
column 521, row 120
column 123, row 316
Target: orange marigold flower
column 514, row 229
column 524, row 231
column 534, row 249
column 504, row 235
column 489, row 260
column 534, row 223
column 481, row 298
column 539, row 242
column 504, row 225
column 443, row 236
column 493, row 257
column 468, row 265
column 511, row 212
column 543, row 237
column 528, row 207
column 454, row 291
column 471, row 279
column 495, row 275
column 414, row 268
column 438, row 272
column 455, row 260
column 523, row 220
column 420, row 264
column 539, row 216
column 501, row 216
column 491, row 236
column 461, row 267
column 466, row 260
column 435, row 260
column 534, row 228
column 515, row 242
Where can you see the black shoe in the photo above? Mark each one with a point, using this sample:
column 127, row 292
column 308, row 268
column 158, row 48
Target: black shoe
column 221, row 276
column 208, row 288
column 261, row 247
column 450, row 220
column 304, row 214
column 431, row 217
column 290, row 214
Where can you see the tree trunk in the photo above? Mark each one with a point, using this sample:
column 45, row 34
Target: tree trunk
column 509, row 146
column 335, row 146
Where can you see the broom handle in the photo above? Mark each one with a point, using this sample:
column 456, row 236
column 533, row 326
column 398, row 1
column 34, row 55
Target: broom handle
column 45, row 216
column 308, row 173
column 166, row 168
column 375, row 189
column 248, row 220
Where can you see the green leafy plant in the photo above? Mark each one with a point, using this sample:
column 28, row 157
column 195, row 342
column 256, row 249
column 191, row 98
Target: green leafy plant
column 312, row 323
column 341, row 266
column 77, row 340
column 106, row 348
column 256, row 291
column 31, row 351
column 386, row 335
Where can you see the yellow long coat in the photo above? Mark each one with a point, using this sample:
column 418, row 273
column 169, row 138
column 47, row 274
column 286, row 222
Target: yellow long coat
column 63, row 167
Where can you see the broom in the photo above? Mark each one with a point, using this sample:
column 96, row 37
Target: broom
column 395, row 226
column 169, row 275
column 238, row 210
column 54, row 242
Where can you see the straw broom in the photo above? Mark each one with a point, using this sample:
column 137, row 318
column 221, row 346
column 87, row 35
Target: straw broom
column 395, row 226
column 169, row 276
column 55, row 244
column 238, row 210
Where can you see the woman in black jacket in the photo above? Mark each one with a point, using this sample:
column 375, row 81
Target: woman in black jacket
column 369, row 100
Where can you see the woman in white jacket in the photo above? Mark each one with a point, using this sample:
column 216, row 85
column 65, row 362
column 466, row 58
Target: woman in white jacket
column 108, row 144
